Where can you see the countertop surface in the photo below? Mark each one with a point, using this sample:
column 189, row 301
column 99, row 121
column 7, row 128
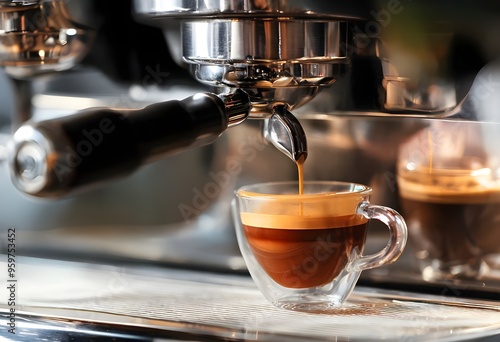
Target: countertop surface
column 58, row 300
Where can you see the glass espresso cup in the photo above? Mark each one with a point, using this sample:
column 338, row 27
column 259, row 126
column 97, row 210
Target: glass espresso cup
column 305, row 252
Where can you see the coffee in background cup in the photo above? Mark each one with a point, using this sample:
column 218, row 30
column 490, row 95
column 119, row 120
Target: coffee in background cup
column 453, row 216
column 448, row 178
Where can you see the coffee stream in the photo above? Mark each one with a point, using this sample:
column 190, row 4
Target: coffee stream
column 300, row 169
column 429, row 139
column 300, row 172
column 304, row 250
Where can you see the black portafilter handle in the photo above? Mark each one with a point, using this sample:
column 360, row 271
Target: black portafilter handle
column 54, row 157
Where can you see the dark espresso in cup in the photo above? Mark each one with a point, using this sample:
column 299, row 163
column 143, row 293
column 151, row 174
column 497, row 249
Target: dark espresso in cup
column 299, row 251
column 453, row 217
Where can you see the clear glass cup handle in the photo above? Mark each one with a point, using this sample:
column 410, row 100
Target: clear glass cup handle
column 397, row 241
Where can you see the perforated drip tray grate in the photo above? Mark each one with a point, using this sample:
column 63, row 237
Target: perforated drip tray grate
column 217, row 250
column 207, row 306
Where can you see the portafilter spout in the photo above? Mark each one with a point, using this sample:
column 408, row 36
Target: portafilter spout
column 285, row 132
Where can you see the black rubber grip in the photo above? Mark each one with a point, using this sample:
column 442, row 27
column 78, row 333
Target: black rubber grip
column 96, row 145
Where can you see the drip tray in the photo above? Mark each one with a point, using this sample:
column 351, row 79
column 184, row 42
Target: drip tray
column 58, row 298
column 194, row 247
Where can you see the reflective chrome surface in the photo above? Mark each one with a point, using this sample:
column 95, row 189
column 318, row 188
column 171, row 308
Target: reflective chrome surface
column 33, row 161
column 403, row 58
column 253, row 41
column 231, row 8
column 237, row 107
column 39, row 37
column 274, row 60
column 13, row 3
column 285, row 132
column 280, row 52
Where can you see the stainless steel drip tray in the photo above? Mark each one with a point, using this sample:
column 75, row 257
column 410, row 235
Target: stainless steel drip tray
column 71, row 298
column 190, row 245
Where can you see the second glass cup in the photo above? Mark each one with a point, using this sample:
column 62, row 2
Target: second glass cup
column 305, row 252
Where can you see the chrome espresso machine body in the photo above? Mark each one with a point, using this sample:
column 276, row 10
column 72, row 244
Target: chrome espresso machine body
column 360, row 79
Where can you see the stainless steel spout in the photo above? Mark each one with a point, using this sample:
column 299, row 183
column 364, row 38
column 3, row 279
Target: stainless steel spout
column 285, row 132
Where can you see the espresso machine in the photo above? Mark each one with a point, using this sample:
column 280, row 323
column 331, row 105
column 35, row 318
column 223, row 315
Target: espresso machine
column 127, row 125
column 130, row 123
column 281, row 55
column 361, row 79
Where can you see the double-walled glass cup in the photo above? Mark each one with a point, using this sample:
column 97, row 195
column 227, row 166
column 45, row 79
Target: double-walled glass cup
column 305, row 252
